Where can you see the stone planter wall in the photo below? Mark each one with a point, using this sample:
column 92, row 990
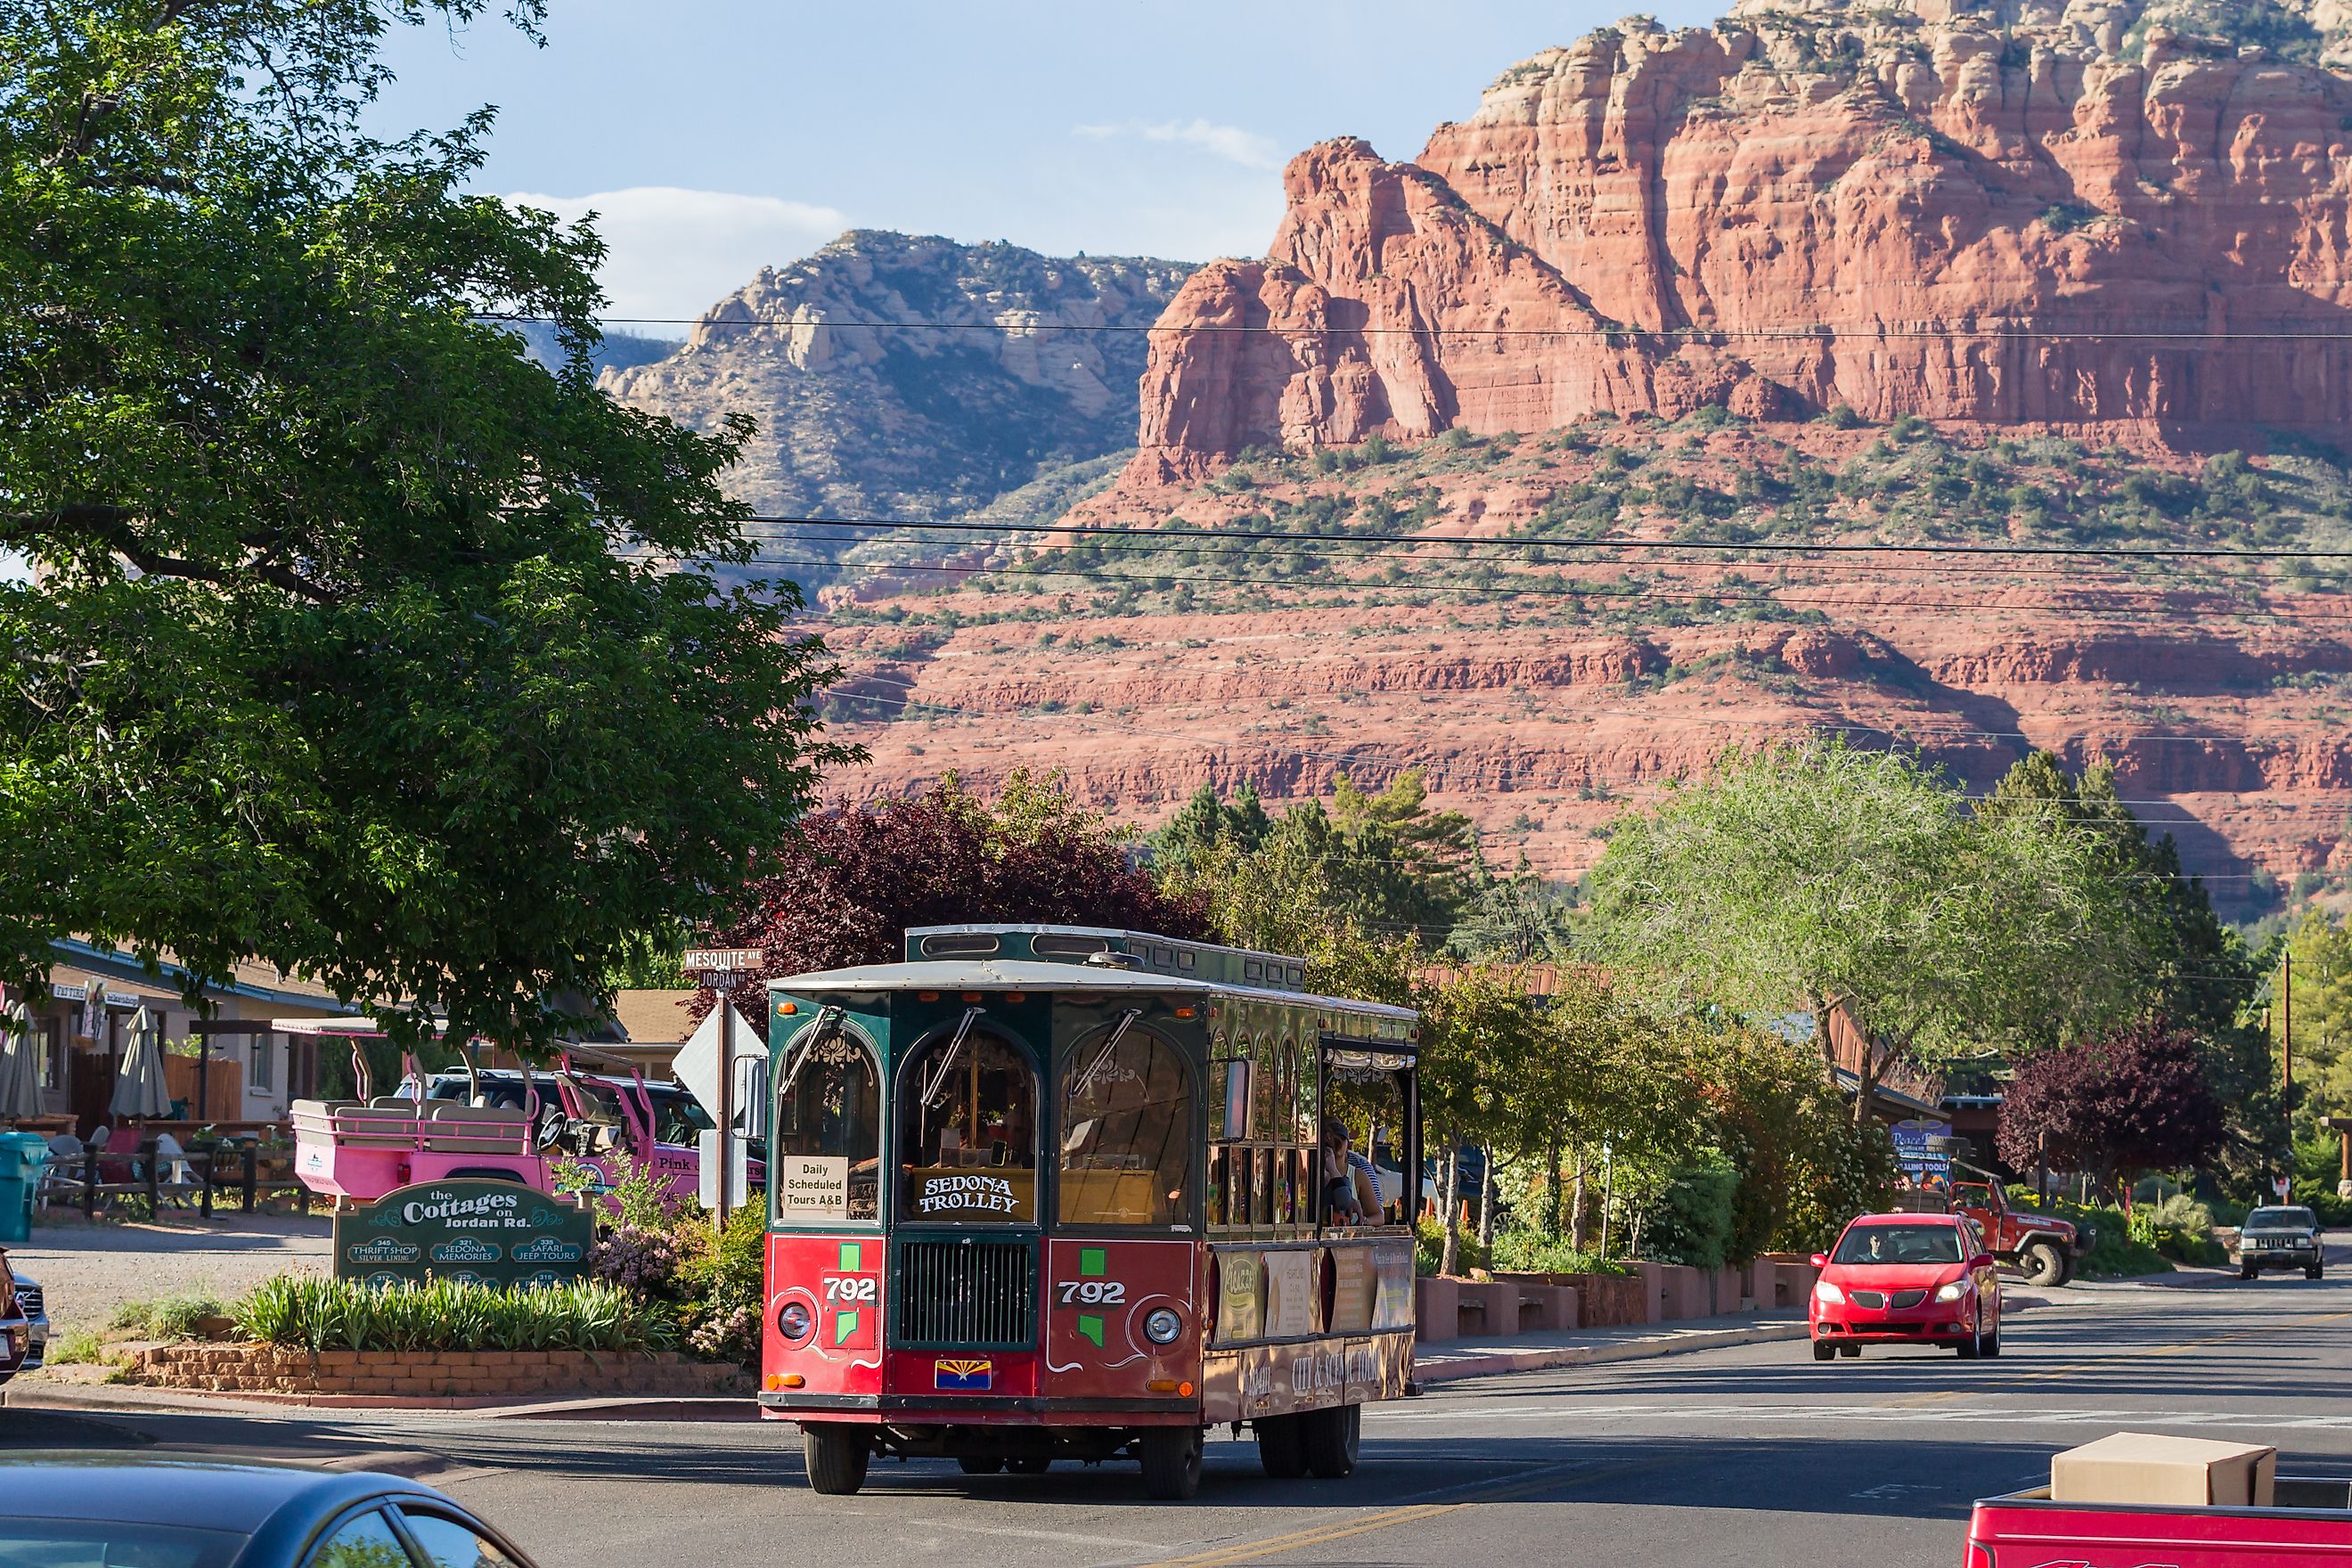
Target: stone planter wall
column 1602, row 1301
column 486, row 1375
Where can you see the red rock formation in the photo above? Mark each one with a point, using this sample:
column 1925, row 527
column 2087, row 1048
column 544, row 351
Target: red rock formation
column 1956, row 219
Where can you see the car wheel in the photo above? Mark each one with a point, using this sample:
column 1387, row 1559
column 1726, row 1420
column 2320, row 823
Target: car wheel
column 979, row 1464
column 1992, row 1344
column 1171, row 1463
column 1332, row 1439
column 1281, row 1447
column 1824, row 1350
column 2042, row 1265
column 2314, row 1272
column 835, row 1458
column 1973, row 1346
column 2246, row 1271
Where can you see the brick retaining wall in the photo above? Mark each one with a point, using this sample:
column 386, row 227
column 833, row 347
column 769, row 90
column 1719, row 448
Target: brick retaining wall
column 486, row 1375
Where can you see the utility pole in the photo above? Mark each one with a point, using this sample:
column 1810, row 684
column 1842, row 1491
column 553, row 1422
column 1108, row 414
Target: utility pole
column 2286, row 1032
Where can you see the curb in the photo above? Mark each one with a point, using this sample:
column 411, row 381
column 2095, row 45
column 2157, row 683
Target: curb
column 1454, row 1369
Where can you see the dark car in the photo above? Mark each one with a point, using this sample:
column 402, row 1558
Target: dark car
column 74, row 1510
column 2284, row 1237
column 15, row 1326
column 33, row 1301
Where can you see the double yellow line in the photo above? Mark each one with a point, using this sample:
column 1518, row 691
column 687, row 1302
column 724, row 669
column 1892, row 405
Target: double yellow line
column 1509, row 1490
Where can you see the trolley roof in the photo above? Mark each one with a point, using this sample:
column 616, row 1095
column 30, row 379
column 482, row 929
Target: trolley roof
column 1015, row 974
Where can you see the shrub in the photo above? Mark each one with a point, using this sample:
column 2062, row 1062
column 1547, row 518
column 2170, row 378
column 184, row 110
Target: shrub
column 1429, row 1250
column 319, row 1314
column 166, row 1317
column 1691, row 1221
column 1532, row 1252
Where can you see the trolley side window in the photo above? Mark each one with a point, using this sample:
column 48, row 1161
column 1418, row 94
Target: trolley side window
column 968, row 1132
column 827, row 1147
column 1364, row 1092
column 1126, row 1131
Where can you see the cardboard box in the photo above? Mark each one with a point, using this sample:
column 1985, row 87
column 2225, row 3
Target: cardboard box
column 2166, row 1472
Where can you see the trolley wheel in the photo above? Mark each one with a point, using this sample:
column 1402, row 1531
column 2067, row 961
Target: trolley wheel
column 979, row 1464
column 2042, row 1265
column 1330, row 1440
column 835, row 1458
column 1171, row 1463
column 1029, row 1465
column 1281, row 1447
column 1824, row 1350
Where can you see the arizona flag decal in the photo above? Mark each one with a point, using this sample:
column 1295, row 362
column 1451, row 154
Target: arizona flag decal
column 972, row 1376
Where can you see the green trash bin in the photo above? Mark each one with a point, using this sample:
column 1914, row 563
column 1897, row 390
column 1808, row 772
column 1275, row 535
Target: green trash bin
column 22, row 1156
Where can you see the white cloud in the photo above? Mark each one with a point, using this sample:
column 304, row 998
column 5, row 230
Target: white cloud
column 674, row 253
column 1231, row 143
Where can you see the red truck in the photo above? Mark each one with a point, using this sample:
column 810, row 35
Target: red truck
column 2308, row 1521
column 2045, row 1250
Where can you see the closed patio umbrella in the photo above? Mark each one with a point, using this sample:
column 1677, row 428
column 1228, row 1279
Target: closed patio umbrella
column 20, row 1080
column 139, row 1088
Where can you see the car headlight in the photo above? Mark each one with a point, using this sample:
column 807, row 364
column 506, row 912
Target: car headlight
column 794, row 1322
column 1161, row 1326
column 1956, row 1289
column 1828, row 1294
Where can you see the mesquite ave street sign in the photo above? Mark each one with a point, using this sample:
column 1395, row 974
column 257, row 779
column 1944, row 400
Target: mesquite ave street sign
column 488, row 1233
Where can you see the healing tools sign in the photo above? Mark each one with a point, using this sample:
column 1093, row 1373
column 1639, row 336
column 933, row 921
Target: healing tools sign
column 489, row 1233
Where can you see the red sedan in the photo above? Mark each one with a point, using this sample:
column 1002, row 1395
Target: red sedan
column 1907, row 1279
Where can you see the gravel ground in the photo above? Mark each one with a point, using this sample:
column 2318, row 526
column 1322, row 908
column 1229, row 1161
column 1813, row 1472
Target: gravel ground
column 88, row 1270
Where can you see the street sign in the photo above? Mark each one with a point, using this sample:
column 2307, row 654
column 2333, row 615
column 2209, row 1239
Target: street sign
column 720, row 1065
column 726, row 959
column 488, row 1233
column 2279, row 1186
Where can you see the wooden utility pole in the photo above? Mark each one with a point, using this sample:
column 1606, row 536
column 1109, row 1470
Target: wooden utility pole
column 2286, row 1033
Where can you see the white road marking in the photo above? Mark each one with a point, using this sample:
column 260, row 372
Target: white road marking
column 1890, row 1414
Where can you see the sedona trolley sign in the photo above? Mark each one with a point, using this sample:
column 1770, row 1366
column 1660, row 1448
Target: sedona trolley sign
column 486, row 1232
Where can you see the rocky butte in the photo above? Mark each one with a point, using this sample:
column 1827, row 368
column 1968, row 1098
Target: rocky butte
column 896, row 374
column 2011, row 214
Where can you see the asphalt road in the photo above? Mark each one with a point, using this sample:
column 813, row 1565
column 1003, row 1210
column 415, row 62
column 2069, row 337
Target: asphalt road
column 1753, row 1455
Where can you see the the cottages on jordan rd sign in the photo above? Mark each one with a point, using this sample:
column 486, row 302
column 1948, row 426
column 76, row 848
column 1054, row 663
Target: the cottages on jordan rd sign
column 488, row 1233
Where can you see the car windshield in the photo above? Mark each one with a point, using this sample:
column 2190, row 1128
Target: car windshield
column 97, row 1543
column 1900, row 1244
column 2282, row 1219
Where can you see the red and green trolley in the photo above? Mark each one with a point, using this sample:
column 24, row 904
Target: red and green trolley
column 1049, row 1192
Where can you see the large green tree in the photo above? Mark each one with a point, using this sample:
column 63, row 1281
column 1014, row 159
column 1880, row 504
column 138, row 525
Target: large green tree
column 357, row 642
column 2181, row 963
column 1818, row 875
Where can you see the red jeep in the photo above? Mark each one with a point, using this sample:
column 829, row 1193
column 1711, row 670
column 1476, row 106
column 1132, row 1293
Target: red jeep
column 2046, row 1250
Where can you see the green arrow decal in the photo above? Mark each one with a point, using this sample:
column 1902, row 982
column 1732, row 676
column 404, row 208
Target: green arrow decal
column 1093, row 1261
column 1090, row 1326
column 844, row 1325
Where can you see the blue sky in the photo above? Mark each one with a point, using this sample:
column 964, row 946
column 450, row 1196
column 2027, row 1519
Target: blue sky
column 730, row 133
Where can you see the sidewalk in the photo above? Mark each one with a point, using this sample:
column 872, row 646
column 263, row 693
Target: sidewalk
column 1457, row 1359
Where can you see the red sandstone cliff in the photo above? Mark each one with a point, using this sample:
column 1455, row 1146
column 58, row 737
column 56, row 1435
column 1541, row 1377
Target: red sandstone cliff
column 1965, row 217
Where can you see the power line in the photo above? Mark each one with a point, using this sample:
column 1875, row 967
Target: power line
column 1796, row 720
column 1338, row 547
column 1519, row 589
column 1814, row 332
column 1769, row 546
